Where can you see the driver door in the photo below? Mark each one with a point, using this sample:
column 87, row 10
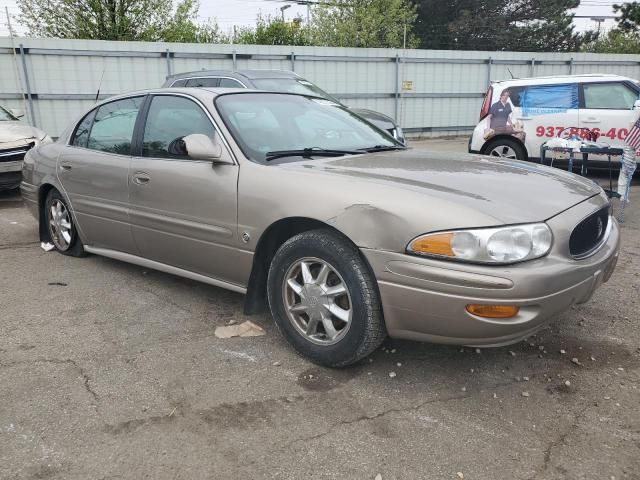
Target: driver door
column 183, row 211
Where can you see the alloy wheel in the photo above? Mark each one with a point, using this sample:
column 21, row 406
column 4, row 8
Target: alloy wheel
column 317, row 301
column 504, row 151
column 60, row 225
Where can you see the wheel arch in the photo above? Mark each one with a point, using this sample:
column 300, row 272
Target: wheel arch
column 504, row 136
column 270, row 241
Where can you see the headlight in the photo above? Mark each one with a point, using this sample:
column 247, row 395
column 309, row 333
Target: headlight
column 486, row 245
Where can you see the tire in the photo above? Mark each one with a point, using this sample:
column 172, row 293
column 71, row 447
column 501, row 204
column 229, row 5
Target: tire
column 60, row 227
column 505, row 148
column 320, row 305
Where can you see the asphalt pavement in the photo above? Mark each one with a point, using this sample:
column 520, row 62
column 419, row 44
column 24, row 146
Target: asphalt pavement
column 112, row 371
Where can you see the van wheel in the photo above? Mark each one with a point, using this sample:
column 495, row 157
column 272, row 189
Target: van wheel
column 324, row 299
column 505, row 148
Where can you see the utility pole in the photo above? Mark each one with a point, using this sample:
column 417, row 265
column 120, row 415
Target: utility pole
column 15, row 60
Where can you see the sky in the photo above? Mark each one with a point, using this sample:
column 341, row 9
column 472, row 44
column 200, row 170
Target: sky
column 243, row 12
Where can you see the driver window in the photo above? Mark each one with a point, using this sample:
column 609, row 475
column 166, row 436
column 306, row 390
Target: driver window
column 168, row 121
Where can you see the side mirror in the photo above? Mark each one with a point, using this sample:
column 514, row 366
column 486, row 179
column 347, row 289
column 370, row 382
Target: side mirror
column 636, row 105
column 16, row 112
column 201, row 147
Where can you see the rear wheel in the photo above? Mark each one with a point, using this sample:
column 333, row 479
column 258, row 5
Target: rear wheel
column 59, row 221
column 324, row 300
column 505, row 148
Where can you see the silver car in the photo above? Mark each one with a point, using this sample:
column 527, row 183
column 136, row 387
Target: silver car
column 343, row 233
column 16, row 138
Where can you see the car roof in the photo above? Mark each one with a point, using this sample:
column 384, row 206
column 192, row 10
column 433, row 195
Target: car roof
column 239, row 74
column 595, row 77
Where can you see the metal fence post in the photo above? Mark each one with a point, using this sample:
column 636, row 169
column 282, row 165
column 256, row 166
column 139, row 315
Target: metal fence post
column 489, row 62
column 32, row 116
column 168, row 63
column 293, row 62
column 397, row 92
column 533, row 65
column 571, row 66
column 233, row 57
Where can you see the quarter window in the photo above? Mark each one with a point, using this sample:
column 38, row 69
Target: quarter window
column 112, row 128
column 169, row 120
column 81, row 135
column 613, row 96
column 179, row 83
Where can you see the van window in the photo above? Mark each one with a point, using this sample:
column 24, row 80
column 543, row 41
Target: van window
column 203, row 82
column 547, row 99
column 613, row 96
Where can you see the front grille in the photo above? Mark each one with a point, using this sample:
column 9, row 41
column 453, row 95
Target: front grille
column 14, row 154
column 589, row 234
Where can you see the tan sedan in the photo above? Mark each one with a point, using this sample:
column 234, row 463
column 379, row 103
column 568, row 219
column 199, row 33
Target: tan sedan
column 346, row 235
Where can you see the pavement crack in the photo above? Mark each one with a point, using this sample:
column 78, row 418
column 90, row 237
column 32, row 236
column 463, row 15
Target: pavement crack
column 56, row 361
column 410, row 408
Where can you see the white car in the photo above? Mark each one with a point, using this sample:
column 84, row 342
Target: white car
column 519, row 115
column 16, row 138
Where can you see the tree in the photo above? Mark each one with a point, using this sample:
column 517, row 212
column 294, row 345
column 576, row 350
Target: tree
column 629, row 19
column 274, row 31
column 364, row 23
column 616, row 41
column 151, row 20
column 521, row 25
column 184, row 26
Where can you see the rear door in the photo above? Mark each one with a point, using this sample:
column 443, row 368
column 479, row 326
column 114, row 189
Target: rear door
column 183, row 211
column 94, row 171
column 607, row 108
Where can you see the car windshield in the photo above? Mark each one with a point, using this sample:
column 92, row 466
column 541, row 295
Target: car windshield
column 264, row 123
column 6, row 116
column 292, row 85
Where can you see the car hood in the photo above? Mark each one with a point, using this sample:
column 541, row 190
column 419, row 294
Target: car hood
column 378, row 119
column 12, row 132
column 506, row 191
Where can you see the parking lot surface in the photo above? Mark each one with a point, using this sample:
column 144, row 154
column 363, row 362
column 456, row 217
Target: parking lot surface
column 112, row 371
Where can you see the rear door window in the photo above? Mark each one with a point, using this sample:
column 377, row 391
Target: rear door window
column 179, row 83
column 230, row 83
column 611, row 96
column 112, row 128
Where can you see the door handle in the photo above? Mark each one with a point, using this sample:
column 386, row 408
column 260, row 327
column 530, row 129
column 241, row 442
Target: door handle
column 524, row 118
column 65, row 166
column 591, row 120
column 141, row 178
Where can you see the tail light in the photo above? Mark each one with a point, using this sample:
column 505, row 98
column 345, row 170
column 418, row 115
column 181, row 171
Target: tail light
column 486, row 104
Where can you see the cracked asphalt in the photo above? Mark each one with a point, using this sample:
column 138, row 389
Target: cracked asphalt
column 111, row 371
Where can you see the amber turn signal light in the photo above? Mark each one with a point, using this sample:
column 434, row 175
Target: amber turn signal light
column 493, row 311
column 439, row 244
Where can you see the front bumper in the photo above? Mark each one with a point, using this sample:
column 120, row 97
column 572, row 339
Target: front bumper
column 425, row 299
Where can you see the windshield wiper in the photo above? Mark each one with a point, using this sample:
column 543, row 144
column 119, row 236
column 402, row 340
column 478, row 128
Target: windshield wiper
column 382, row 148
column 308, row 153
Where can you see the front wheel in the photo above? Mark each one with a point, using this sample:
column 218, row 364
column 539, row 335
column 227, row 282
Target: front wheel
column 324, row 299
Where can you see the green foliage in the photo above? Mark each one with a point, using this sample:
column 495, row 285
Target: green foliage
column 629, row 19
column 364, row 23
column 616, row 41
column 520, row 25
column 274, row 31
column 147, row 20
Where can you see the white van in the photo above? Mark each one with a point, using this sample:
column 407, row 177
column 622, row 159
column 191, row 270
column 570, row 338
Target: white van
column 519, row 115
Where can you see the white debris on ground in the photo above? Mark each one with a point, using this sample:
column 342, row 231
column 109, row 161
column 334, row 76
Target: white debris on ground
column 245, row 329
column 47, row 247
